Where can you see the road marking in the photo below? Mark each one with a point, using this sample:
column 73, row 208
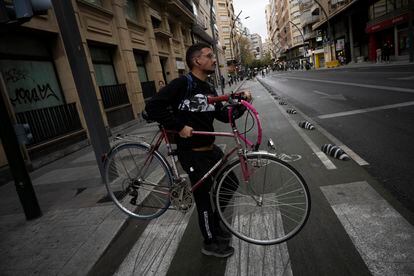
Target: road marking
column 156, row 247
column 403, row 78
column 322, row 156
column 251, row 259
column 384, row 239
column 364, row 110
column 336, row 141
column 330, row 96
column 389, row 88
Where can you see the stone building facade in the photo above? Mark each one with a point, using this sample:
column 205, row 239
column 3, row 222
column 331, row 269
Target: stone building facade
column 132, row 47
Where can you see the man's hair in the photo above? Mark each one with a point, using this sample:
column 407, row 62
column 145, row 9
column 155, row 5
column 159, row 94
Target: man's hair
column 193, row 51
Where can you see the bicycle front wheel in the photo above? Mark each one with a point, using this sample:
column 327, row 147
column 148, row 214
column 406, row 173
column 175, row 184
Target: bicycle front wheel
column 138, row 182
column 270, row 208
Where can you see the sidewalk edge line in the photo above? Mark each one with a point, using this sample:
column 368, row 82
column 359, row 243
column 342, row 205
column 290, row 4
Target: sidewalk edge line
column 322, row 156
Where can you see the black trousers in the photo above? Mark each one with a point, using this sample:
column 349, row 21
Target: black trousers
column 197, row 164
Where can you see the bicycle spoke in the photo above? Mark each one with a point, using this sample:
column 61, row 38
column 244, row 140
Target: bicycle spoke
column 271, row 208
column 144, row 178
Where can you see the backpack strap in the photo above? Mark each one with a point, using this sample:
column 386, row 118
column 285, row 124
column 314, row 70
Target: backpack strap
column 189, row 84
column 189, row 89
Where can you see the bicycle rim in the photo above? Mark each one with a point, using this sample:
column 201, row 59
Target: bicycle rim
column 270, row 208
column 138, row 183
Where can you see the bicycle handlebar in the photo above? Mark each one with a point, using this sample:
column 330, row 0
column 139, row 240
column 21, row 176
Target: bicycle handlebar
column 227, row 98
column 224, row 98
column 240, row 100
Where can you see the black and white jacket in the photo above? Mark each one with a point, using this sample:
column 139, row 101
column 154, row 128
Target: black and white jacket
column 184, row 102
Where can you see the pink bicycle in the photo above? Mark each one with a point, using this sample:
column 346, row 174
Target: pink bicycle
column 260, row 198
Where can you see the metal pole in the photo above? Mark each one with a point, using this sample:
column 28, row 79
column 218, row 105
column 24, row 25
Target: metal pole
column 22, row 181
column 77, row 59
column 411, row 35
column 231, row 34
column 301, row 34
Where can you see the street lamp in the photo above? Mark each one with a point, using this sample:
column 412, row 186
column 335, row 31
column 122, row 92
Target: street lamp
column 329, row 25
column 231, row 33
column 303, row 38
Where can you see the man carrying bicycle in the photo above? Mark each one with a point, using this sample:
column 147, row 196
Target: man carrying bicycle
column 182, row 106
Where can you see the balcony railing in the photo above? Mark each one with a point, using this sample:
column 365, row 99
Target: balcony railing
column 307, row 18
column 187, row 5
column 51, row 122
column 308, row 36
column 114, row 95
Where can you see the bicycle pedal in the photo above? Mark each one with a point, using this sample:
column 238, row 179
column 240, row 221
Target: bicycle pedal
column 133, row 201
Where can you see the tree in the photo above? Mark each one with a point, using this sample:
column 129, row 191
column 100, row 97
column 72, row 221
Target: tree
column 266, row 59
column 246, row 57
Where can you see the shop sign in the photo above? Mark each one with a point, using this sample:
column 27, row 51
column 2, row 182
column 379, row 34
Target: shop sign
column 386, row 23
column 340, row 44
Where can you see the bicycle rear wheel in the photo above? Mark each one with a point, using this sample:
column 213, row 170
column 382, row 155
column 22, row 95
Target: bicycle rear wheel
column 270, row 208
column 137, row 182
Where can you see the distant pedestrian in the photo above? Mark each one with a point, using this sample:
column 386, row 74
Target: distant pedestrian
column 379, row 55
column 386, row 49
column 223, row 81
column 161, row 84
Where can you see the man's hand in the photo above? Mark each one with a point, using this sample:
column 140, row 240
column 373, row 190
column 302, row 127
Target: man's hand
column 247, row 95
column 186, row 132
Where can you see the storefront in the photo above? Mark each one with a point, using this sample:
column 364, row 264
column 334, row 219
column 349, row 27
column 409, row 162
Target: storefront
column 319, row 58
column 388, row 28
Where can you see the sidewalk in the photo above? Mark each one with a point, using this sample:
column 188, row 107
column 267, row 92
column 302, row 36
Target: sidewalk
column 367, row 64
column 78, row 222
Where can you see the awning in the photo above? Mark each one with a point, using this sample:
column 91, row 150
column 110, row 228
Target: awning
column 386, row 23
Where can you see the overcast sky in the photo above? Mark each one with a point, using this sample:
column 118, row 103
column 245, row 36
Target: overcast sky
column 256, row 23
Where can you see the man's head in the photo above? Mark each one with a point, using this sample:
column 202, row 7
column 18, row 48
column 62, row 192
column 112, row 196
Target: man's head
column 200, row 56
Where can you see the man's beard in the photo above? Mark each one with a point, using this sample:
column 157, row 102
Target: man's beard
column 208, row 72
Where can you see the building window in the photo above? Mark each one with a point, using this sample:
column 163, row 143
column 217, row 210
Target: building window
column 142, row 71
column 156, row 23
column 103, row 65
column 130, row 10
column 224, row 18
column 95, row 2
column 29, row 73
column 226, row 29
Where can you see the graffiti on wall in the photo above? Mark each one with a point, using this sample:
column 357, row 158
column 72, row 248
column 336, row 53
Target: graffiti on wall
column 31, row 84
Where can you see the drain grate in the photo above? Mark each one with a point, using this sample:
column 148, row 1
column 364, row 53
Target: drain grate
column 118, row 194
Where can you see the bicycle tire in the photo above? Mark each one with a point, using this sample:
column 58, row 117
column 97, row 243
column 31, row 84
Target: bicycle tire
column 265, row 213
column 137, row 183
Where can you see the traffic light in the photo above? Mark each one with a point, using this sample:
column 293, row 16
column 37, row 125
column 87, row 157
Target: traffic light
column 20, row 11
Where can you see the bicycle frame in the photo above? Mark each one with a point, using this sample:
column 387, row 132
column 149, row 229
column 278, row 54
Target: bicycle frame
column 236, row 136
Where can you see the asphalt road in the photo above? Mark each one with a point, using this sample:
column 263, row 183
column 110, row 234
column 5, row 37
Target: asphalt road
column 383, row 135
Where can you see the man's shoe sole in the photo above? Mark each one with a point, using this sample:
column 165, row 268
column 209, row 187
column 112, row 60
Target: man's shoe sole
column 210, row 253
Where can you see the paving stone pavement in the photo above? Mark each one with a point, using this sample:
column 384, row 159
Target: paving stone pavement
column 75, row 229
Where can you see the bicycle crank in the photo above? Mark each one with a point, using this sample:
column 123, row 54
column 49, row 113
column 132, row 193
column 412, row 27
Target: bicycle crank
column 181, row 197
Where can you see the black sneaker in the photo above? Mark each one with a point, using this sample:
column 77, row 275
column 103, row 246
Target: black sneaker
column 217, row 250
